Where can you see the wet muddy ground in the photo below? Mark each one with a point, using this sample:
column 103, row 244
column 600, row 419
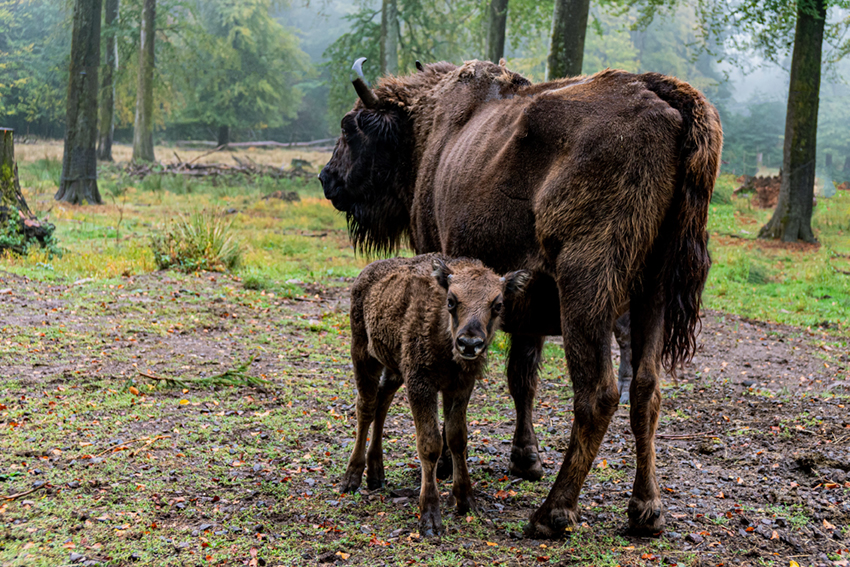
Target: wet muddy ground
column 753, row 443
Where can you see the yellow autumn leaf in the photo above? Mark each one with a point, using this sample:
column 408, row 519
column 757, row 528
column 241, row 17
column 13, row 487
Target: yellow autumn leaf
column 794, row 564
column 134, row 390
column 183, row 402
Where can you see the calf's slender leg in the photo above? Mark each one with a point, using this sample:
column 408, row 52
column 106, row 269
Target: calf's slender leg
column 390, row 383
column 587, row 343
column 523, row 362
column 429, row 445
column 645, row 508
column 366, row 372
column 623, row 336
column 457, row 433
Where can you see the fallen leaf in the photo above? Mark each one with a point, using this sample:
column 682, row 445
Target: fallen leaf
column 134, row 390
column 828, row 525
column 343, row 556
column 793, row 564
column 183, row 402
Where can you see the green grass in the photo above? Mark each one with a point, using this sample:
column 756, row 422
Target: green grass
column 796, row 285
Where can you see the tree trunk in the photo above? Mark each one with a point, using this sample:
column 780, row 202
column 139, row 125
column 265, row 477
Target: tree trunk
column 13, row 205
column 498, row 21
column 389, row 37
column 78, row 183
column 107, row 85
column 792, row 218
column 143, row 125
column 223, row 135
column 566, row 49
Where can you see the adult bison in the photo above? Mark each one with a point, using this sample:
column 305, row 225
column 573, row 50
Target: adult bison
column 598, row 185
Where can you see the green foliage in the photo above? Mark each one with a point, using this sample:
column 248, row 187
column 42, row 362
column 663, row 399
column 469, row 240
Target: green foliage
column 201, row 241
column 757, row 129
column 34, row 47
column 241, row 66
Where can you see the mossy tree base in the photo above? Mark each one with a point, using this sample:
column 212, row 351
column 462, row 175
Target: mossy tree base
column 19, row 228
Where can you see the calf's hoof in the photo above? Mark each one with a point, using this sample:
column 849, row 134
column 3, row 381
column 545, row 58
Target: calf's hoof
column 624, row 397
column 550, row 523
column 375, row 483
column 430, row 524
column 646, row 517
column 525, row 463
column 350, row 481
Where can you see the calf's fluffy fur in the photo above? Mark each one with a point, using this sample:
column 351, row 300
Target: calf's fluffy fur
column 425, row 322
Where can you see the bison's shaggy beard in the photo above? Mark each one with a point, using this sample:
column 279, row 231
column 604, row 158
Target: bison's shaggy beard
column 379, row 228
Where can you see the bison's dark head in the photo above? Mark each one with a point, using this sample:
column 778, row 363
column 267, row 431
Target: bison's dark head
column 370, row 170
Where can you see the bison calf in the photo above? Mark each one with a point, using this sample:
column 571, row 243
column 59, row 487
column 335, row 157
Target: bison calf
column 425, row 322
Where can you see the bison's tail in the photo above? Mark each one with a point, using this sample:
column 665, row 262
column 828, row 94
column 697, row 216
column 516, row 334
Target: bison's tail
column 686, row 260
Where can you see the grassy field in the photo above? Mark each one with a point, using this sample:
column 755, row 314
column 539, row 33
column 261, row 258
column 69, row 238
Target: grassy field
column 115, row 406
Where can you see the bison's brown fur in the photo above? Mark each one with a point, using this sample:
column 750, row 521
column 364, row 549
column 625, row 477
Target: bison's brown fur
column 425, row 322
column 599, row 185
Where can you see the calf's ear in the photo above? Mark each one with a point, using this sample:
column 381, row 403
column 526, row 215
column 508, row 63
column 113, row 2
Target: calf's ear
column 441, row 272
column 515, row 282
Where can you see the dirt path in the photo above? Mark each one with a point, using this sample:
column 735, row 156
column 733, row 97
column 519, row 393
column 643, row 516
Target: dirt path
column 753, row 444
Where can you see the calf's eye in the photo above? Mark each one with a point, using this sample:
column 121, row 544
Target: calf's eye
column 497, row 308
column 451, row 303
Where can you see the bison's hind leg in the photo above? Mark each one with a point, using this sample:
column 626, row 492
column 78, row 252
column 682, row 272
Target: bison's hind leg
column 645, row 507
column 587, row 344
column 366, row 378
column 390, row 383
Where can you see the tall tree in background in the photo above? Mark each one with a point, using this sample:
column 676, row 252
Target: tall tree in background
column 143, row 125
column 79, row 162
column 566, row 48
column 241, row 68
column 497, row 21
column 792, row 218
column 389, row 37
column 107, row 89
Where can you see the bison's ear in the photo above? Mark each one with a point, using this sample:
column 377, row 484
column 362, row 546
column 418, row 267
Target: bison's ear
column 441, row 272
column 515, row 282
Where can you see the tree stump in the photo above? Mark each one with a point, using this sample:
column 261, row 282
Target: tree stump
column 19, row 228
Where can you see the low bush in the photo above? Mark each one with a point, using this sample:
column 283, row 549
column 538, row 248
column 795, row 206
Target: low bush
column 201, row 241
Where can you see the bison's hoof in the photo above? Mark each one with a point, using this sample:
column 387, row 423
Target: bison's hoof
column 624, row 397
column 430, row 524
column 467, row 505
column 375, row 483
column 646, row 518
column 445, row 467
column 525, row 463
column 550, row 524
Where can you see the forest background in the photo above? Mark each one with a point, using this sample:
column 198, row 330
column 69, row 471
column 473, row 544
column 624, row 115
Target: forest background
column 279, row 71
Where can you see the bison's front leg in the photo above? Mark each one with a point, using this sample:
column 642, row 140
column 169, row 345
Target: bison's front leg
column 588, row 353
column 457, row 434
column 523, row 362
column 429, row 444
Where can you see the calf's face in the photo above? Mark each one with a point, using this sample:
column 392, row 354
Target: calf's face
column 475, row 297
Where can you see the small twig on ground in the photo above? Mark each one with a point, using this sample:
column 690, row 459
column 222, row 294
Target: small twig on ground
column 20, row 494
column 179, row 159
column 690, row 436
column 148, row 440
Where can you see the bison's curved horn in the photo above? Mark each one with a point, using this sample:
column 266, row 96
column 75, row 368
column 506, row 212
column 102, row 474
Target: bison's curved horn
column 419, row 66
column 363, row 91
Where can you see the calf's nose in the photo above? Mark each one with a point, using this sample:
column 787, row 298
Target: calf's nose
column 469, row 347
